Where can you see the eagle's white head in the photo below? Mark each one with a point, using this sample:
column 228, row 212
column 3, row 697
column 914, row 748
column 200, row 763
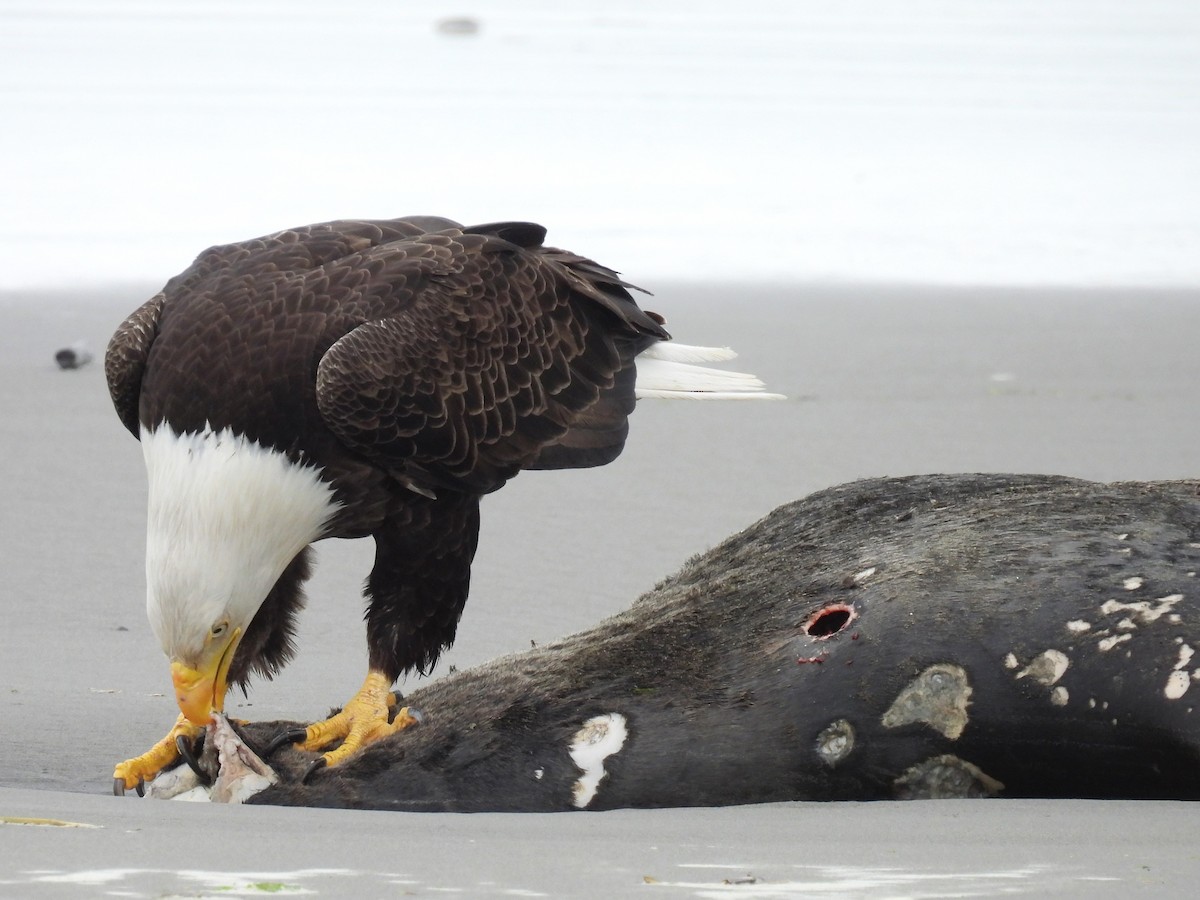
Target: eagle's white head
column 226, row 516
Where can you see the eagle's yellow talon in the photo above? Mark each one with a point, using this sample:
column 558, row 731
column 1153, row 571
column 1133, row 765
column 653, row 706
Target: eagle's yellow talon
column 362, row 721
column 144, row 768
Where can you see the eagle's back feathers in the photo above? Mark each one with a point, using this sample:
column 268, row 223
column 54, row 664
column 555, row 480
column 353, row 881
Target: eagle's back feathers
column 454, row 356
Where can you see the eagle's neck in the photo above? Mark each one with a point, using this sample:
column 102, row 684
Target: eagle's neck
column 225, row 517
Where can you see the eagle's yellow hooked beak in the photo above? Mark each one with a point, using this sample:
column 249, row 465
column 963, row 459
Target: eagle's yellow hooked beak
column 201, row 691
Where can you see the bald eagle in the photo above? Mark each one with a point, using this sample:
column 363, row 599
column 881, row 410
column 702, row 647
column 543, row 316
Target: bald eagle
column 352, row 379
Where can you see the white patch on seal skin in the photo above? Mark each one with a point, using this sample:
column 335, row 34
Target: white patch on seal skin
column 937, row 697
column 860, row 577
column 1046, row 668
column 835, row 742
column 1078, row 626
column 1132, row 584
column 1179, row 680
column 1185, row 656
column 1145, row 611
column 1011, row 662
column 1177, row 685
column 1109, row 642
column 599, row 738
column 1059, row 696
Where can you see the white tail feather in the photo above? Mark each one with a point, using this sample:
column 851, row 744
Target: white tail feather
column 687, row 353
column 667, row 371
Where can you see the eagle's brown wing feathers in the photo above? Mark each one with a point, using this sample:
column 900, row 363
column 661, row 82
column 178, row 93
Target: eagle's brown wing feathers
column 125, row 359
column 456, row 356
column 499, row 351
column 253, row 265
column 294, row 252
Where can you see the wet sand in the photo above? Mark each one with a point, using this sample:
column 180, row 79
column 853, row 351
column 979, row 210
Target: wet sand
column 882, row 380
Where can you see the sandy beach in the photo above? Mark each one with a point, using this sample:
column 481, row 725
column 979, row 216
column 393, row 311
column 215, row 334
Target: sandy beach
column 881, row 380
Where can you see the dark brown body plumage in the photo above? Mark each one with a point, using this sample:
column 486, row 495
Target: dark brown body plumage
column 418, row 364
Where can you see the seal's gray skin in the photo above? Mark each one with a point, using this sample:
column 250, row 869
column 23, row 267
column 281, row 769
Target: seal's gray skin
column 932, row 636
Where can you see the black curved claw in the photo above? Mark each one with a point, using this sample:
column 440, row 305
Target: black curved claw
column 315, row 766
column 189, row 757
column 119, row 787
column 417, row 715
column 287, row 737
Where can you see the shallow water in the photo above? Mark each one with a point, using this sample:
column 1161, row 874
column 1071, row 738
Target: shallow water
column 998, row 141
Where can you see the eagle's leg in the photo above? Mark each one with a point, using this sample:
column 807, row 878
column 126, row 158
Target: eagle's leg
column 362, row 721
column 417, row 589
column 134, row 772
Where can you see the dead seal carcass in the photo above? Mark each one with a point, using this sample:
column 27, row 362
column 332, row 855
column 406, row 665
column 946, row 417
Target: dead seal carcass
column 932, row 636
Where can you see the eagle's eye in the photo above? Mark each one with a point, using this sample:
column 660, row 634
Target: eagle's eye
column 219, row 629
